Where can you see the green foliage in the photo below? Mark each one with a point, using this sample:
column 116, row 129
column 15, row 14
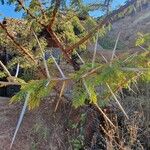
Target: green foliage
column 2, row 74
column 146, row 77
column 38, row 89
column 79, row 95
column 143, row 40
column 140, row 40
column 78, row 141
column 19, row 60
column 114, row 75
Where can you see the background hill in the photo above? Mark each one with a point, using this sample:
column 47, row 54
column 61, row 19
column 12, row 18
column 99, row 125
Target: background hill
column 130, row 25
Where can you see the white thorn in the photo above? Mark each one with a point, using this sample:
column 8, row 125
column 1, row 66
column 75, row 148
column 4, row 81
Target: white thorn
column 17, row 70
column 95, row 50
column 114, row 50
column 117, row 101
column 61, row 72
column 80, row 57
column 20, row 119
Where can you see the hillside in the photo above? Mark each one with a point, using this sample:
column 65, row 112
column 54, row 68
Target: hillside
column 131, row 25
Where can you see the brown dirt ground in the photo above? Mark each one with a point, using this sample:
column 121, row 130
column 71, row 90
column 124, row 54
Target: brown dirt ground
column 41, row 129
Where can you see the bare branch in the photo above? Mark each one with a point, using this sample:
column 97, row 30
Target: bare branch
column 48, row 27
column 29, row 13
column 54, row 13
column 2, row 83
column 117, row 101
column 59, row 44
column 60, row 95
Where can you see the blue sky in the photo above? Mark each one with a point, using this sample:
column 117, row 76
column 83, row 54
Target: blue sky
column 8, row 10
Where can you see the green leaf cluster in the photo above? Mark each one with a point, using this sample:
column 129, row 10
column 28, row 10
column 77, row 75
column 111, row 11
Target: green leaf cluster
column 38, row 89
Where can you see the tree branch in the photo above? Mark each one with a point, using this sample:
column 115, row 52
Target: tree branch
column 29, row 13
column 42, row 9
column 108, row 19
column 54, row 13
column 59, row 44
column 22, row 49
column 49, row 29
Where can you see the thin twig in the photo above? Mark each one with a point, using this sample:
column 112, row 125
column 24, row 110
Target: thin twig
column 122, row 84
column 42, row 9
column 91, row 72
column 130, row 57
column 29, row 13
column 108, row 134
column 135, row 69
column 105, row 116
column 135, row 84
column 2, row 83
column 117, row 101
column 60, row 95
column 130, row 89
column 104, row 57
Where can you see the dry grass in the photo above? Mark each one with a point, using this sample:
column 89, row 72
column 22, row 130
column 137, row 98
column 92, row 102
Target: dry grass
column 132, row 133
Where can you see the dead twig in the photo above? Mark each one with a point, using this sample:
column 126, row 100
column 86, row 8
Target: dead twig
column 60, row 95
column 54, row 13
column 117, row 101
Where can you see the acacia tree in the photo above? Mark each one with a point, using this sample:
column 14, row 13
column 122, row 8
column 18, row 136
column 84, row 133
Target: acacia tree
column 55, row 24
